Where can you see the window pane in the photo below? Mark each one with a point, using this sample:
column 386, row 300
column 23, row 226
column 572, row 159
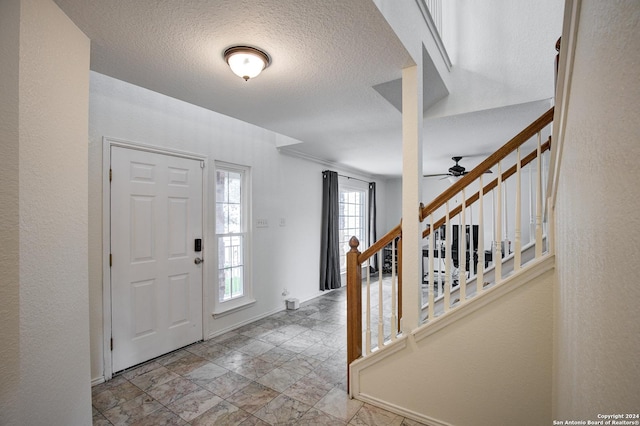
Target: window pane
column 235, row 190
column 229, row 220
column 221, row 218
column 221, row 186
column 352, row 221
column 231, row 267
column 235, row 218
column 237, row 288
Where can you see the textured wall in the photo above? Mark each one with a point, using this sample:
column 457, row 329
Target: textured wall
column 498, row 65
column 492, row 367
column 9, row 218
column 54, row 314
column 598, row 320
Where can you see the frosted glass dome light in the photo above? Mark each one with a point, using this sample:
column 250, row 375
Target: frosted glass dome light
column 246, row 62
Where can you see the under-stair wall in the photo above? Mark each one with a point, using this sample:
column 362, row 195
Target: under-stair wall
column 488, row 363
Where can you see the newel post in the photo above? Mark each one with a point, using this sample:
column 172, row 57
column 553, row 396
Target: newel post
column 354, row 305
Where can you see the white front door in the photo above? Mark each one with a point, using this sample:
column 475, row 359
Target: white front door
column 156, row 285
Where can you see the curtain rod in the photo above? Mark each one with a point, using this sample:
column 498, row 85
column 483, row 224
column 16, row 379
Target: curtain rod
column 349, row 177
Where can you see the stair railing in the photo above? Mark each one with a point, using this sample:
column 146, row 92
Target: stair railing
column 468, row 263
column 466, row 260
column 383, row 309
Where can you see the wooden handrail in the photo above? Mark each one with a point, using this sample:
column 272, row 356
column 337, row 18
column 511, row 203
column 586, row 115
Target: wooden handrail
column 488, row 187
column 489, row 162
column 380, row 244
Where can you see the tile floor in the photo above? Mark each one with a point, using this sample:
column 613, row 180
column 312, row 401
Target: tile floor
column 288, row 368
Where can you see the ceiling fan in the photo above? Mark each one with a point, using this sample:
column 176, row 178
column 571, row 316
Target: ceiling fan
column 455, row 171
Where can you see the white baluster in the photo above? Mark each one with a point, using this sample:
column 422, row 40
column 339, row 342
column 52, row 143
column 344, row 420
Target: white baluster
column 505, row 218
column 497, row 261
column 394, row 318
column 517, row 257
column 539, row 200
column 447, row 261
column 472, row 242
column 532, row 204
column 545, row 207
column 480, row 273
column 368, row 318
column 462, row 251
column 380, row 304
column 430, row 277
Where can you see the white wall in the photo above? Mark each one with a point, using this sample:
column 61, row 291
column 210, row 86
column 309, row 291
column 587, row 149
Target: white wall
column 393, row 206
column 44, row 179
column 499, row 65
column 282, row 187
column 491, row 367
column 597, row 322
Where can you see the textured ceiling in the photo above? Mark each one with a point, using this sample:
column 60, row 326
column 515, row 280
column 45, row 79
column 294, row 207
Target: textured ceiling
column 333, row 84
column 326, row 58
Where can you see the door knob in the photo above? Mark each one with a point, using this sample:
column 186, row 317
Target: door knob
column 198, row 261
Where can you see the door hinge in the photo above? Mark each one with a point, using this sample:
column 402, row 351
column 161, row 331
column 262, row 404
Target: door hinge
column 110, row 175
column 110, row 260
column 112, row 343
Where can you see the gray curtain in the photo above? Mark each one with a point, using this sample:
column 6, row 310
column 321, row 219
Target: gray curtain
column 329, row 250
column 373, row 237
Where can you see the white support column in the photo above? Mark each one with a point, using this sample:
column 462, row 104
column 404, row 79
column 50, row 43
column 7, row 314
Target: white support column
column 411, row 193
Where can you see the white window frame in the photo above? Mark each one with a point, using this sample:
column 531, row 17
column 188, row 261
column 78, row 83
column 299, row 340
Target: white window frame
column 353, row 185
column 222, row 308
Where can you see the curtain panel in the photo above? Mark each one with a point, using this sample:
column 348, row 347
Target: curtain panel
column 329, row 250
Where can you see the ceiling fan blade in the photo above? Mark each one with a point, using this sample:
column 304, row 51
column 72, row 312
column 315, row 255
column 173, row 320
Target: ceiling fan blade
column 437, row 174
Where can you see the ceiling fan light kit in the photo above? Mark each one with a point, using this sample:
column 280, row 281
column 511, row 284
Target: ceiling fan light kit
column 245, row 61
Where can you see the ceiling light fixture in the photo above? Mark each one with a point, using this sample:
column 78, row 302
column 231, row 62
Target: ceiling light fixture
column 246, row 62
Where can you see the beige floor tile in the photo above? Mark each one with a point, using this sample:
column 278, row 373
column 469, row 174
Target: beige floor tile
column 252, row 397
column 195, row 404
column 283, row 410
column 337, row 403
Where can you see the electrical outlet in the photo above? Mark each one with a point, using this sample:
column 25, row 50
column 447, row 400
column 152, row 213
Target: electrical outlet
column 262, row 223
column 285, row 292
column 283, row 222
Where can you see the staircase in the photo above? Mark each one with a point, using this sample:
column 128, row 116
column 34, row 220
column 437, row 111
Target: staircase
column 485, row 331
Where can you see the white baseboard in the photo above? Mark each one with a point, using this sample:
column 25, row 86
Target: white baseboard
column 261, row 316
column 430, row 421
column 97, row 381
column 243, row 323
